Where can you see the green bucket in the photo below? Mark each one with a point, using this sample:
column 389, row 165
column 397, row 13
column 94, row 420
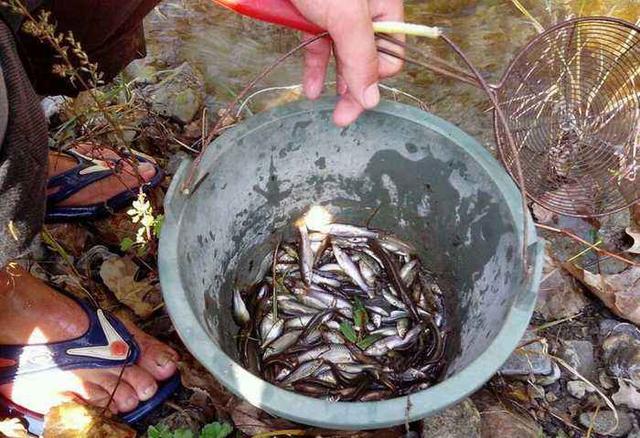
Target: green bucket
column 434, row 186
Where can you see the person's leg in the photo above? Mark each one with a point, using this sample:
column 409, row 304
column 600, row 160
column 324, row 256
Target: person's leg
column 38, row 314
column 31, row 312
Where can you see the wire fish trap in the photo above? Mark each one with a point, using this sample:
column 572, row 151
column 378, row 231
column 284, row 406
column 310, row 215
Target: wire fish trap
column 572, row 97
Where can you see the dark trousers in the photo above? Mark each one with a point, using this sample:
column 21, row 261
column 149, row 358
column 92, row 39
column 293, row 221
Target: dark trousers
column 111, row 33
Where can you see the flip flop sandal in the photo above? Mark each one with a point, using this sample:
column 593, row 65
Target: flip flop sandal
column 106, row 344
column 86, row 172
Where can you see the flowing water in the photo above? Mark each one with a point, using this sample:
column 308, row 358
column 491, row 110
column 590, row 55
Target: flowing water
column 231, row 50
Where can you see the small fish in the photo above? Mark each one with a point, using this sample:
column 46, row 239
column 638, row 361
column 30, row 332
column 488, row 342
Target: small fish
column 293, row 307
column 345, row 230
column 334, row 353
column 397, row 246
column 318, row 278
column 332, row 337
column 286, row 268
column 263, row 292
column 385, row 331
column 395, row 315
column 266, row 325
column 274, row 333
column 303, row 371
column 409, row 271
column 383, row 346
column 354, row 368
column 327, row 377
column 368, row 274
column 313, row 336
column 375, row 395
column 377, row 320
column 306, row 255
column 350, row 268
column 391, row 299
column 377, row 310
column 402, row 325
column 240, row 312
column 331, row 267
column 298, row 321
column 282, row 343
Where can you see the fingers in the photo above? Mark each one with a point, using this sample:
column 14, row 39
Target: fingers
column 316, row 59
column 349, row 24
column 388, row 10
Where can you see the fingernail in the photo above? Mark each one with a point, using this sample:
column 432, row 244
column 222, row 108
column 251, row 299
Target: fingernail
column 371, row 96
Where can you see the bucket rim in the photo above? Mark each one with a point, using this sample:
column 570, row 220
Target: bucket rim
column 348, row 415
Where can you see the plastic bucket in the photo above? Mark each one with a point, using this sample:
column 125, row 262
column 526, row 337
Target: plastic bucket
column 434, row 185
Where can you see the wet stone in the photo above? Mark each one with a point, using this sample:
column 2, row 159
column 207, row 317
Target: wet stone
column 605, row 421
column 529, row 359
column 459, row 421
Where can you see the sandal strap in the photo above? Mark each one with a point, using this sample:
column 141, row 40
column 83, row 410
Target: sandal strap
column 107, row 343
column 70, row 182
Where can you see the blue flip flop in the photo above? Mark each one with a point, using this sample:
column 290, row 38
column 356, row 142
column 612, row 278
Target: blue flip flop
column 106, row 344
column 85, row 173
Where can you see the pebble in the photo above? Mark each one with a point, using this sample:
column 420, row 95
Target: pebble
column 605, row 421
column 578, row 388
column 529, row 359
column 579, row 355
column 458, row 421
column 179, row 95
column 551, row 378
column 551, row 397
column 621, row 353
column 499, row 421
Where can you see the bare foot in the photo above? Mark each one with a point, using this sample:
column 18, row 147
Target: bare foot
column 125, row 178
column 36, row 313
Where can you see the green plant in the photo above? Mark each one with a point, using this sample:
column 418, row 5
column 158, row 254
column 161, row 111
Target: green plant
column 211, row 430
column 141, row 212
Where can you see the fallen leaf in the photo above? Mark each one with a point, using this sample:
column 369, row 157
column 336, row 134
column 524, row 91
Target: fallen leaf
column 619, row 292
column 75, row 420
column 118, row 274
column 634, row 232
column 12, row 428
column 543, row 215
column 72, row 237
column 252, row 421
column 627, row 395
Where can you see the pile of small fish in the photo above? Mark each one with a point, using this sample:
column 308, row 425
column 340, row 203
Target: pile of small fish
column 344, row 313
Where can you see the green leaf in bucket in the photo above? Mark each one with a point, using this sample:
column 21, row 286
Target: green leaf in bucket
column 360, row 317
column 347, row 330
column 367, row 342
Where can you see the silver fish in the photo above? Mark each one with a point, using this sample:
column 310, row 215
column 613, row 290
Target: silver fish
column 284, row 372
column 385, row 331
column 331, row 301
column 335, row 353
column 391, row 299
column 327, row 377
column 377, row 320
column 402, row 325
column 240, row 312
column 409, row 271
column 313, row 336
column 350, row 268
column 303, row 371
column 331, row 267
column 298, row 321
column 282, row 343
column 306, row 255
column 383, row 346
column 376, row 309
column 266, row 325
column 345, row 230
column 355, row 368
column 293, row 307
column 274, row 333
column 397, row 246
column 321, row 279
column 368, row 274
column 332, row 337
column 395, row 315
column 263, row 292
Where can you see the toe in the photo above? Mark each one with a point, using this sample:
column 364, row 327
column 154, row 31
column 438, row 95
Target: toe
column 141, row 381
column 124, row 396
column 159, row 360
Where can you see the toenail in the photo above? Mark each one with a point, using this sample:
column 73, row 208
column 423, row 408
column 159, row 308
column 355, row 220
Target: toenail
column 149, row 391
column 131, row 401
column 163, row 360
